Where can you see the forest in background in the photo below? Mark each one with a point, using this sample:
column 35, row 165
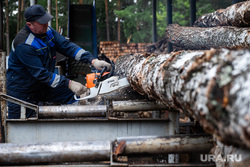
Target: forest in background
column 127, row 19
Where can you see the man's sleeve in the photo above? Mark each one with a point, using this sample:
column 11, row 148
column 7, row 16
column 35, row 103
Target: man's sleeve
column 70, row 49
column 32, row 63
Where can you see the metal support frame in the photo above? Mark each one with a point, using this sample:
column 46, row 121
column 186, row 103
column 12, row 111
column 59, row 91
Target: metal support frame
column 24, row 105
column 174, row 130
column 69, row 2
column 94, row 34
column 169, row 21
column 150, row 143
column 154, row 22
column 192, row 12
column 82, row 117
column 84, row 111
column 103, row 150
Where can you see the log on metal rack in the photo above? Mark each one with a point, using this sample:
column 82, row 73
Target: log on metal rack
column 213, row 86
column 235, row 15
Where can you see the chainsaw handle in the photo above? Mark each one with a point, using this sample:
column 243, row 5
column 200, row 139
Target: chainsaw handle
column 112, row 69
column 101, row 73
column 100, row 77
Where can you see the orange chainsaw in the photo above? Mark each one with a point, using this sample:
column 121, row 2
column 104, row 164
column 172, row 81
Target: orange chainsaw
column 103, row 83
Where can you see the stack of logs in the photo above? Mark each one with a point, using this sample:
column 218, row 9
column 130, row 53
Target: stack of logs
column 208, row 77
column 114, row 49
column 224, row 28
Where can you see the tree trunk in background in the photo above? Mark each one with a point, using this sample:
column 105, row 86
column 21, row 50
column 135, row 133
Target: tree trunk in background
column 118, row 22
column 212, row 86
column 56, row 16
column 19, row 16
column 235, row 15
column 107, row 20
column 1, row 27
column 22, row 15
column 196, row 38
column 7, row 28
column 32, row 2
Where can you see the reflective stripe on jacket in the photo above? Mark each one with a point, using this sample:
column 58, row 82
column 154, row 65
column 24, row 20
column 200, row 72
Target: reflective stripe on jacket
column 33, row 57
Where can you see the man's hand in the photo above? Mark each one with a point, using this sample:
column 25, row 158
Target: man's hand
column 77, row 88
column 99, row 64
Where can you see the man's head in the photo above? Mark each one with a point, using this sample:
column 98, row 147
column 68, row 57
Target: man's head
column 37, row 13
column 37, row 19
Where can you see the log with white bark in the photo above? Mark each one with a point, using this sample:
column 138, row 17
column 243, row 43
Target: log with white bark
column 196, row 38
column 235, row 15
column 213, row 86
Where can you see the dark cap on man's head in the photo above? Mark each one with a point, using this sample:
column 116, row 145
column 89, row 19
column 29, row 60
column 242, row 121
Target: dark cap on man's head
column 37, row 13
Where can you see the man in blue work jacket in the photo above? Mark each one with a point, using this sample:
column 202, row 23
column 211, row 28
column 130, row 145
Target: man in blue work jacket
column 30, row 74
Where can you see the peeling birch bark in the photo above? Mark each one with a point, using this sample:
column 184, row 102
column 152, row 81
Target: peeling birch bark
column 213, row 86
column 196, row 38
column 235, row 15
column 235, row 157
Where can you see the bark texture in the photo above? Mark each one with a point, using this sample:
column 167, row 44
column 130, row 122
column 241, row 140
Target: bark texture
column 241, row 156
column 213, row 86
column 235, row 15
column 196, row 38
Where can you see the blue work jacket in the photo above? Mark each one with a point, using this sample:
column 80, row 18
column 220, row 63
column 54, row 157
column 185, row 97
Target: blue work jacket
column 32, row 60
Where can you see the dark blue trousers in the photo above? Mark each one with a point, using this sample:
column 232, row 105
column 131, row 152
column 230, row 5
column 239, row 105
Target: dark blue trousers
column 45, row 94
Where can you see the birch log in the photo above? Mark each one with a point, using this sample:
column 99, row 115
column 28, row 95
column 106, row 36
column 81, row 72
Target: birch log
column 235, row 15
column 213, row 86
column 196, row 38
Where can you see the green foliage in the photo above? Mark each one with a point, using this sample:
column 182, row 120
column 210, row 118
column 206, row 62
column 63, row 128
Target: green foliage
column 161, row 20
column 136, row 18
column 181, row 12
column 203, row 7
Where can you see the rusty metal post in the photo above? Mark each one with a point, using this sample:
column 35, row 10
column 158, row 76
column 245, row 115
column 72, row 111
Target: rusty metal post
column 2, row 90
column 2, row 72
column 56, row 152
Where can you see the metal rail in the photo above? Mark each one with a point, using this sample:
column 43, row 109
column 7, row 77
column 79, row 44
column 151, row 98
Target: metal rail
column 89, row 151
column 121, row 106
column 57, row 152
column 24, row 105
column 165, row 144
column 70, row 111
column 73, row 111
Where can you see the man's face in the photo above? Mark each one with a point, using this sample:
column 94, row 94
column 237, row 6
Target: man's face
column 38, row 28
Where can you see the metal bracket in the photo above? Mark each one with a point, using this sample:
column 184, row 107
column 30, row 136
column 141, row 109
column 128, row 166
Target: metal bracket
column 23, row 104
